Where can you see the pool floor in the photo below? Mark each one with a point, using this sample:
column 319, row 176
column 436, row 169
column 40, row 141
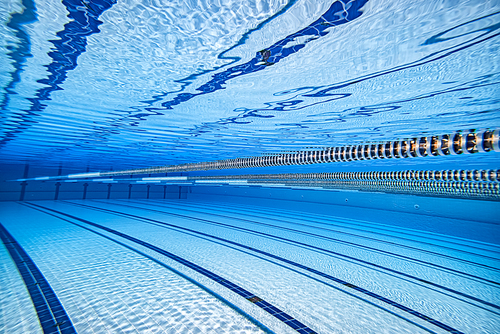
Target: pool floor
column 190, row 266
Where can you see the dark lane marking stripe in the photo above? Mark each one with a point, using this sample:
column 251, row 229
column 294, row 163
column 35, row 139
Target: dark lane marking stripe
column 201, row 286
column 317, row 272
column 355, row 222
column 225, row 242
column 269, row 308
column 355, row 235
column 298, row 265
column 419, row 280
column 407, row 258
column 51, row 314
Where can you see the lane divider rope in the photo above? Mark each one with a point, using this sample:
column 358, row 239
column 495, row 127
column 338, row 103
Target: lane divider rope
column 459, row 143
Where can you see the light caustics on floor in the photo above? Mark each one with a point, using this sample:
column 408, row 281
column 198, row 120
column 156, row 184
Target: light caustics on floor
column 255, row 269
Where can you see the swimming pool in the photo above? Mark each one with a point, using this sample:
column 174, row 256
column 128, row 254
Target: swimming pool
column 258, row 166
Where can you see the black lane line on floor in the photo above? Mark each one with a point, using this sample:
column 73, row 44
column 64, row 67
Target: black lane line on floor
column 201, row 286
column 298, row 265
column 363, row 246
column 251, row 252
column 269, row 308
column 354, row 222
column 366, row 237
column 449, row 257
column 300, row 244
column 425, row 263
column 51, row 314
column 353, row 244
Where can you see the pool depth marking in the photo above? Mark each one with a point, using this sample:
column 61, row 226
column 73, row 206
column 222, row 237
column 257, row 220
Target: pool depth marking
column 269, row 308
column 51, row 314
column 317, row 272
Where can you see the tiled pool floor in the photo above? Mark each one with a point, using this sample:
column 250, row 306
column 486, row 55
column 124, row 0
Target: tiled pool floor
column 171, row 266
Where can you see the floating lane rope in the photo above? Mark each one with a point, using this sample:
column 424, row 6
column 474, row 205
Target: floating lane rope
column 453, row 144
column 470, row 184
column 443, row 145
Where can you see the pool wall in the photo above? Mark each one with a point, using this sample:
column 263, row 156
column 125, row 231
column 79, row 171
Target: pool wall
column 412, row 211
column 40, row 190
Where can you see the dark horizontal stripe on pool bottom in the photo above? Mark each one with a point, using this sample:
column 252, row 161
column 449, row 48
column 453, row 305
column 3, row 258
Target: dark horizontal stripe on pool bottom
column 317, row 272
column 269, row 308
column 50, row 312
column 298, row 265
column 192, row 206
column 329, row 221
column 350, row 243
column 290, row 241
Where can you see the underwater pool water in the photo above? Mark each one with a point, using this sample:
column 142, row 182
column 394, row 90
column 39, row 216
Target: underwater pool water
column 249, row 166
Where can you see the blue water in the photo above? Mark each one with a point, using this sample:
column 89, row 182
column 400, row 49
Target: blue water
column 109, row 85
column 128, row 84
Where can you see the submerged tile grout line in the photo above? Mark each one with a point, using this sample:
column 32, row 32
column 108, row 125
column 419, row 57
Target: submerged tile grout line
column 317, row 272
column 244, row 246
column 50, row 312
column 269, row 308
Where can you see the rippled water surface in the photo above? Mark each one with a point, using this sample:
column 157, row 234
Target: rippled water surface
column 139, row 83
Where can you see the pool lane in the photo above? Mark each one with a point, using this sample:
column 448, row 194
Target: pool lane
column 438, row 308
column 51, row 314
column 428, row 244
column 352, row 315
column 337, row 280
column 246, row 273
column 108, row 290
column 260, row 302
column 344, row 283
column 387, row 248
column 267, row 307
column 255, row 231
column 418, row 237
